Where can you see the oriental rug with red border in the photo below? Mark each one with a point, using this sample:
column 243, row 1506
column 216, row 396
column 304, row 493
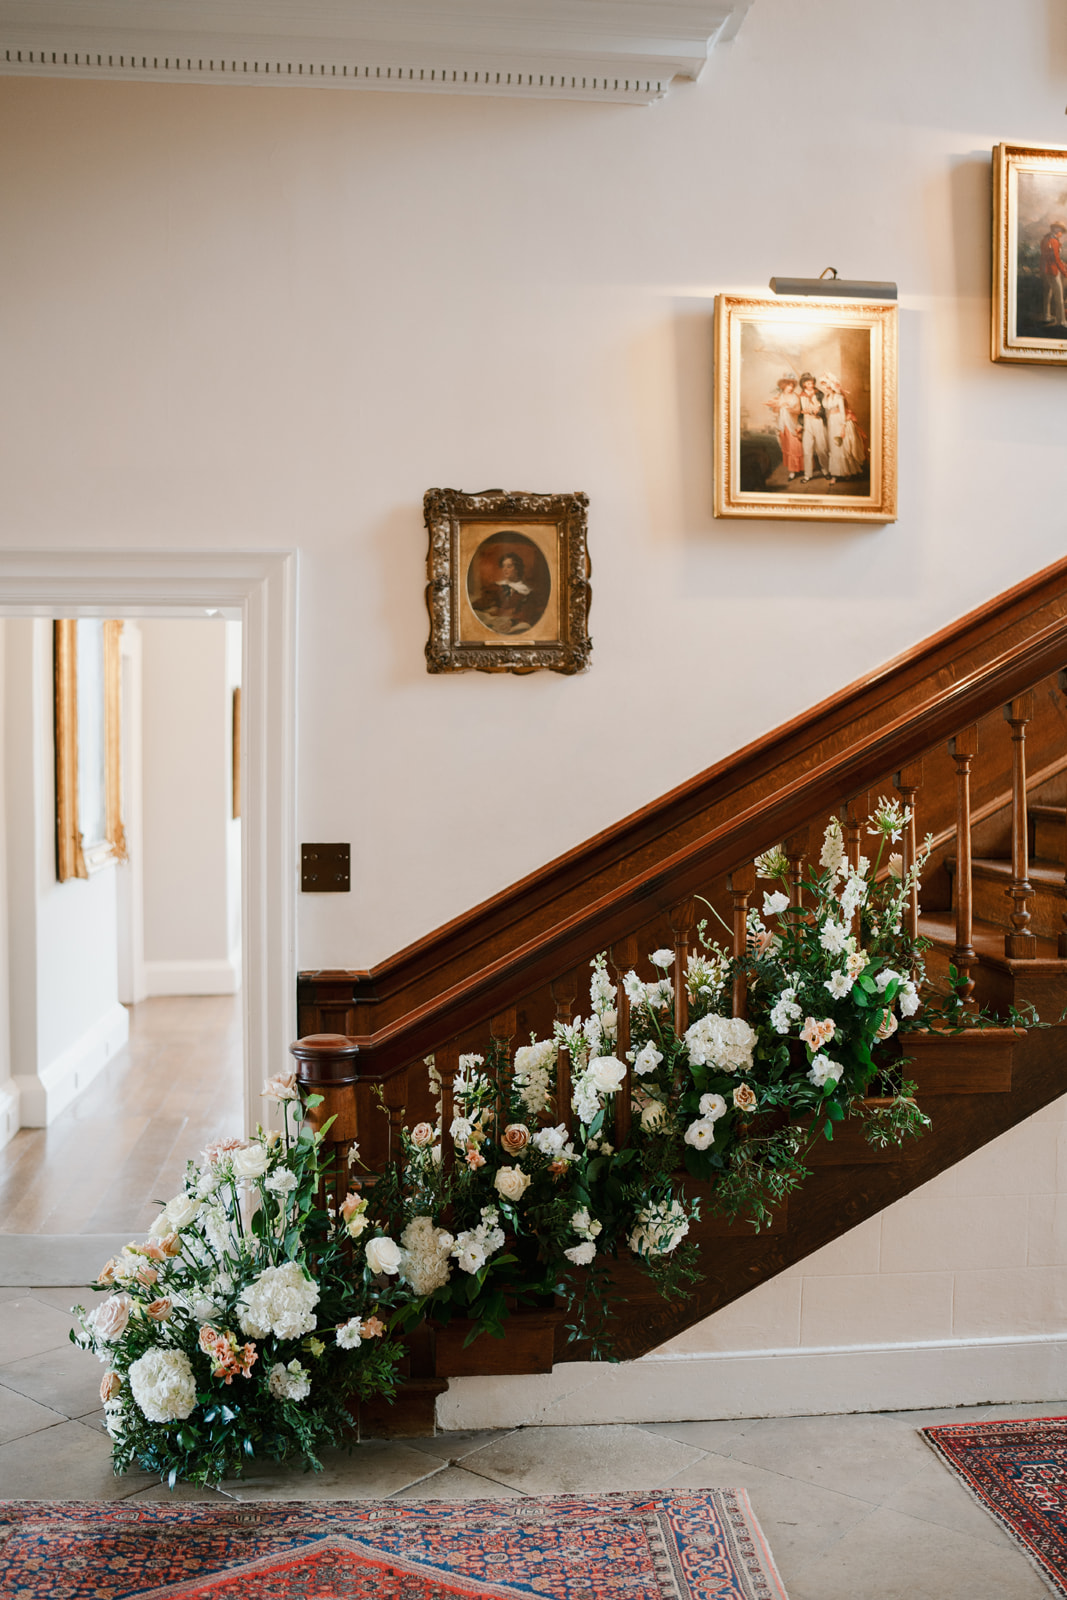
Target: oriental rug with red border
column 691, row 1545
column 1017, row 1471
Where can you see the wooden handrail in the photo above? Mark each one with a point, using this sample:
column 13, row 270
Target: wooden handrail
column 597, row 894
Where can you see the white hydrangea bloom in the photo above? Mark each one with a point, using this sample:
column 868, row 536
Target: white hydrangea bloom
column 163, row 1386
column 279, row 1302
column 725, row 1043
column 281, row 1182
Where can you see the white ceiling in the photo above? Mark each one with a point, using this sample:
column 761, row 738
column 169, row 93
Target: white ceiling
column 610, row 50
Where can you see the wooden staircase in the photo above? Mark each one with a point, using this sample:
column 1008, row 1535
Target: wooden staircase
column 970, row 729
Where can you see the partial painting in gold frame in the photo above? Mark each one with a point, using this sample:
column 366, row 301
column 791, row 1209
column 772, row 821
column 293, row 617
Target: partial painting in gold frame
column 88, row 746
column 1030, row 254
column 508, row 586
column 805, row 409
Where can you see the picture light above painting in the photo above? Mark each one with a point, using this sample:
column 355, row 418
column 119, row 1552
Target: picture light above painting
column 805, row 409
column 508, row 587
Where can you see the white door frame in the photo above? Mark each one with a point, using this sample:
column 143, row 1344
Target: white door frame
column 257, row 587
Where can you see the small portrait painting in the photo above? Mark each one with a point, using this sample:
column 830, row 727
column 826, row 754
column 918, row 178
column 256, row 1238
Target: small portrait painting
column 508, row 587
column 1030, row 254
column 804, row 390
column 508, row 583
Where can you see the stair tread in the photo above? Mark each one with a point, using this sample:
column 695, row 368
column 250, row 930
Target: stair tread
column 1048, row 813
column 988, row 941
column 1049, row 874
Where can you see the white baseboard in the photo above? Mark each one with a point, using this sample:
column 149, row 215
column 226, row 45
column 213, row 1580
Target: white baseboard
column 768, row 1383
column 192, row 977
column 44, row 1095
column 9, row 1111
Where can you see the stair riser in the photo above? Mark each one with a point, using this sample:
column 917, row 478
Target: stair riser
column 992, row 903
column 1050, row 839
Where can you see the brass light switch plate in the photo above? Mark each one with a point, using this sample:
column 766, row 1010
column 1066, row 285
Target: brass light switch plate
column 325, row 868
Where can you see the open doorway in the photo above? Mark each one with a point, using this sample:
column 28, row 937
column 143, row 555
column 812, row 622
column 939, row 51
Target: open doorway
column 256, row 591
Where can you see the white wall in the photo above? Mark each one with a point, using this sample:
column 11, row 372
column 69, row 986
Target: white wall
column 249, row 318
column 189, row 848
column 66, row 1020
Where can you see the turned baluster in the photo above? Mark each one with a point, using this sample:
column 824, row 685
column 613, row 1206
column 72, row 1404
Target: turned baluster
column 908, row 782
column 850, row 829
column 502, row 1031
column 963, row 749
column 564, row 990
column 326, row 1065
column 1020, row 943
column 622, row 958
column 395, row 1095
column 446, row 1060
column 795, row 849
column 683, row 916
column 741, row 885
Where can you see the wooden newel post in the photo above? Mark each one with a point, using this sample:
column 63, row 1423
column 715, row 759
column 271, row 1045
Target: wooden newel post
column 621, row 958
column 908, row 782
column 741, row 885
column 1021, row 942
column 963, row 749
column 683, row 916
column 795, row 849
column 564, row 990
column 326, row 1064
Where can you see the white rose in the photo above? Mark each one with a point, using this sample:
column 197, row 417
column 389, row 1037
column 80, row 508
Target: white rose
column 511, row 1182
column 606, row 1074
column 109, row 1320
column 700, row 1134
column 712, row 1107
column 180, row 1211
column 383, row 1256
column 662, row 958
column 775, row 904
column 250, row 1163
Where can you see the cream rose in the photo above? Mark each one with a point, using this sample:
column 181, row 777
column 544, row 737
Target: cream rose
column 606, row 1074
column 281, row 1087
column 250, row 1163
column 383, row 1256
column 110, row 1319
column 744, row 1097
column 421, row 1135
column 180, row 1212
column 511, row 1182
column 515, row 1137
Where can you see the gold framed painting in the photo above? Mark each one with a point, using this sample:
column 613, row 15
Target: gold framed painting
column 508, row 587
column 805, row 409
column 1030, row 253
column 87, row 670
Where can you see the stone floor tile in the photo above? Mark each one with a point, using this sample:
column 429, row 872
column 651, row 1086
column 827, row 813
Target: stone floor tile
column 20, row 1416
column 866, row 1455
column 453, row 1446
column 700, row 1435
column 936, row 1495
column 66, row 1379
column 67, row 1462
column 29, row 1326
column 575, row 1460
column 802, row 1518
column 893, row 1557
column 63, row 1299
column 928, row 1419
column 376, row 1468
column 159, row 1494
column 456, row 1483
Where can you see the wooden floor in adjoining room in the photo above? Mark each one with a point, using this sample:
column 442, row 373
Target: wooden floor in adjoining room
column 124, row 1143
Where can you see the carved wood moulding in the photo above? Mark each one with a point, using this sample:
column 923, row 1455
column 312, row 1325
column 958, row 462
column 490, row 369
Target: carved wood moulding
column 508, row 582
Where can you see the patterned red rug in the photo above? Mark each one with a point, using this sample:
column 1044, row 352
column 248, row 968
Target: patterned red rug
column 699, row 1545
column 1017, row 1471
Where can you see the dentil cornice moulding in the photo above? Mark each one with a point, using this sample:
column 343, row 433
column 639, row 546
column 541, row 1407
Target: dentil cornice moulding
column 611, row 50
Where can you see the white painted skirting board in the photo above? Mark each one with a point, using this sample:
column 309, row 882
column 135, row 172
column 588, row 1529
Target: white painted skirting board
column 768, row 1383
column 9, row 1111
column 44, row 1095
column 191, row 977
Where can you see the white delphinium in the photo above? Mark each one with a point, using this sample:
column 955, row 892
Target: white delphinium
column 725, row 1043
column 474, row 1246
column 280, row 1301
column 823, row 1070
column 705, row 975
column 601, row 988
column 659, row 1229
column 785, row 1011
column 834, row 937
column 647, row 1059
column 468, row 1081
column 424, row 1261
column 839, row 984
column 289, row 1382
column 853, row 894
column 594, row 1033
column 163, row 1385
column 532, row 1074
column 832, row 854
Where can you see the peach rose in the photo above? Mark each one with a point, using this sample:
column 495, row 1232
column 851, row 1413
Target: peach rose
column 887, row 1027
column 110, row 1384
column 147, row 1276
column 744, row 1097
column 107, row 1272
column 515, row 1137
column 816, row 1034
column 421, row 1135
column 158, row 1310
column 171, row 1245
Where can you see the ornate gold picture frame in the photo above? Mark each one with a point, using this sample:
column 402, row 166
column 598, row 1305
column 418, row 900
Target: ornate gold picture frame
column 1030, row 254
column 805, row 409
column 88, row 748
column 508, row 586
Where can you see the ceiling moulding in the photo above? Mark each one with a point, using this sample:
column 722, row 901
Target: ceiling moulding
column 627, row 51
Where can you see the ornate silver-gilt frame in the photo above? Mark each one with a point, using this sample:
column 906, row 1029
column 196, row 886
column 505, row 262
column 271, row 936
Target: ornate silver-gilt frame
column 560, row 520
